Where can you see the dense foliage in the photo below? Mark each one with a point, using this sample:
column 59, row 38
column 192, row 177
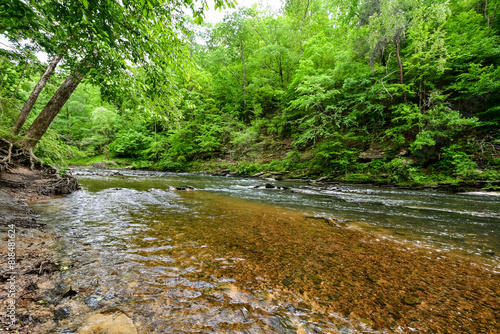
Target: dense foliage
column 389, row 91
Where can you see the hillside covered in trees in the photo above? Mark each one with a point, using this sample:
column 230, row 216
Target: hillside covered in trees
column 398, row 92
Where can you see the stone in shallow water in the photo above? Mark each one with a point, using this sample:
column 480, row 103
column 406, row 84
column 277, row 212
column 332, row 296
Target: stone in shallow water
column 109, row 324
column 411, row 300
column 367, row 322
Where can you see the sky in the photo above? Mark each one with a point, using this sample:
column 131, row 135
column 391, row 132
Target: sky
column 214, row 16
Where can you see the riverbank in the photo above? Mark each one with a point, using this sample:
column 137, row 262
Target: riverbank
column 32, row 276
column 34, row 288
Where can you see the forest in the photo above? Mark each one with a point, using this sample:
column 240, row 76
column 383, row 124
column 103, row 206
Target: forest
column 387, row 92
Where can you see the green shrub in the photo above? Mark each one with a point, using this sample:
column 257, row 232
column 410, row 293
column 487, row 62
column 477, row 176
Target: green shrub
column 454, row 160
column 131, row 143
column 275, row 166
column 52, row 151
column 248, row 168
column 141, row 164
column 358, row 178
column 169, row 165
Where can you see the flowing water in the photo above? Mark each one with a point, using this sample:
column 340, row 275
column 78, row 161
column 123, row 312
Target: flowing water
column 176, row 261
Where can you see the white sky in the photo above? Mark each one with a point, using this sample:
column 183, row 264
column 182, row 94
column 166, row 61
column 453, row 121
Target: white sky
column 214, row 16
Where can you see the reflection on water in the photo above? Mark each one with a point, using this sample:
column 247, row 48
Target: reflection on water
column 192, row 261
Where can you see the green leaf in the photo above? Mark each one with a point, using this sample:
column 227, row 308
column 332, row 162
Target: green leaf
column 86, row 4
column 198, row 20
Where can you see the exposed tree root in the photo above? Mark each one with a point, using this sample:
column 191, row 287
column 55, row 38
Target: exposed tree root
column 24, row 175
column 4, row 163
column 33, row 157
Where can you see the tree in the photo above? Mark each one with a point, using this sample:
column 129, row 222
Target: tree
column 232, row 35
column 103, row 40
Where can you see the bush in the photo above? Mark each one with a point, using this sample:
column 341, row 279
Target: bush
column 131, row 143
column 454, row 160
column 358, row 178
column 275, row 166
column 248, row 168
column 52, row 151
column 169, row 165
column 141, row 164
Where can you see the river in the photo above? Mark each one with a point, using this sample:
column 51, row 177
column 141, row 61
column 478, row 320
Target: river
column 202, row 259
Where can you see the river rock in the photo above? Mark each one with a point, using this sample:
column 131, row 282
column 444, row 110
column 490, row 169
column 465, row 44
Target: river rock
column 372, row 154
column 258, row 174
column 93, row 301
column 269, row 186
column 367, row 322
column 403, row 152
column 188, row 188
column 108, row 323
column 62, row 313
column 101, row 164
column 411, row 300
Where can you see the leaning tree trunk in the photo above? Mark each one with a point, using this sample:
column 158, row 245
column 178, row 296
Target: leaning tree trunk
column 43, row 121
column 26, row 109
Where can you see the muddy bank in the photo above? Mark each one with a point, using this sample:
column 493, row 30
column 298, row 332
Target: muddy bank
column 24, row 183
column 32, row 289
column 31, row 275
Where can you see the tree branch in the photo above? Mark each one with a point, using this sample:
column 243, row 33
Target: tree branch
column 487, row 17
column 382, row 82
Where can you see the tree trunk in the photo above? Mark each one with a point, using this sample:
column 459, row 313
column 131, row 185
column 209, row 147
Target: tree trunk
column 26, row 109
column 43, row 121
column 281, row 73
column 488, row 20
column 396, row 42
column 244, row 79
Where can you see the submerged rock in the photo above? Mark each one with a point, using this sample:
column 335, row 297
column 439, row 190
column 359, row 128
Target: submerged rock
column 367, row 322
column 93, row 301
column 188, row 188
column 108, row 323
column 62, row 313
column 411, row 300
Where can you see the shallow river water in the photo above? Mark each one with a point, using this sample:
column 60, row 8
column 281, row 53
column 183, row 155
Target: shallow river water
column 176, row 261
